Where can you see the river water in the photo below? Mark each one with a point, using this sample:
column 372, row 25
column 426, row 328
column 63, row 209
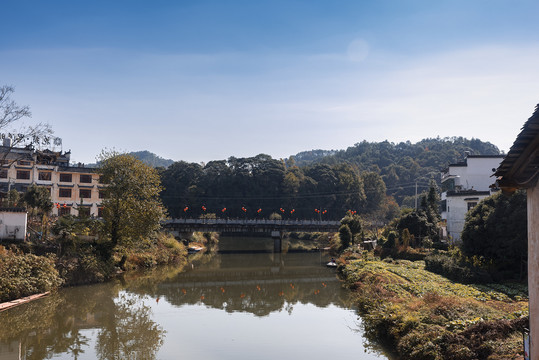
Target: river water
column 225, row 306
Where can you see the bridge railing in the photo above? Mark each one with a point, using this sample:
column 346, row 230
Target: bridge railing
column 250, row 222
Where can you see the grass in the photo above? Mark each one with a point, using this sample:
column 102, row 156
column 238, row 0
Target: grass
column 427, row 316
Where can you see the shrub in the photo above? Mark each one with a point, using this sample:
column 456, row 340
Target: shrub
column 26, row 274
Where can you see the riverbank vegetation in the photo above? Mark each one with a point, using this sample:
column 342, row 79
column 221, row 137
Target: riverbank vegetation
column 423, row 315
column 74, row 250
column 428, row 300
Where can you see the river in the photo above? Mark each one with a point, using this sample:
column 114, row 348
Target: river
column 256, row 305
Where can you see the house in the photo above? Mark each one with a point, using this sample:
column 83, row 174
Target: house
column 74, row 190
column 520, row 170
column 464, row 184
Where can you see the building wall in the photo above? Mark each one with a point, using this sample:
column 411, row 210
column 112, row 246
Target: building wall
column 13, row 225
column 474, row 174
column 533, row 266
column 455, row 215
column 51, row 176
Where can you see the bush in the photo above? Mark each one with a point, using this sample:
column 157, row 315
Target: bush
column 26, row 274
column 454, row 268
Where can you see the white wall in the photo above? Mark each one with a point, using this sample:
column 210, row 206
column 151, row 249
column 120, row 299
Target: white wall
column 457, row 208
column 13, row 225
column 478, row 173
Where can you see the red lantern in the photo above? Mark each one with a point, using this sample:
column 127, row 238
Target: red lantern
column 185, row 209
column 224, row 209
column 259, row 210
column 203, row 208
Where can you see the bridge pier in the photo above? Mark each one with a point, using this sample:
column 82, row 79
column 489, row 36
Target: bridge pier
column 277, row 241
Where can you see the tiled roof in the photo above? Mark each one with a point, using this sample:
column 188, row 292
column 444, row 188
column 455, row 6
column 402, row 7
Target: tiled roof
column 520, row 167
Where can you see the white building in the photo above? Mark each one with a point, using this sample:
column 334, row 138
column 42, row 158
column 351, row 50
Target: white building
column 74, row 190
column 464, row 184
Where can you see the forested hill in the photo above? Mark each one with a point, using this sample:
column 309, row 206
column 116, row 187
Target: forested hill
column 320, row 184
column 403, row 164
column 151, row 159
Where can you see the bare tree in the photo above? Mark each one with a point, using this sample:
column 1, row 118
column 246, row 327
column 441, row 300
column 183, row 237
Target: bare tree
column 10, row 113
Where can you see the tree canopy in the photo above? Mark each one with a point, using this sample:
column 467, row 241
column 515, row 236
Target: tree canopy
column 496, row 229
column 132, row 208
column 259, row 186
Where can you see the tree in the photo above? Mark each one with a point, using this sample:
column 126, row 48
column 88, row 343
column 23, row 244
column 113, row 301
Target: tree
column 132, row 209
column 345, row 235
column 496, row 229
column 10, row 113
column 38, row 198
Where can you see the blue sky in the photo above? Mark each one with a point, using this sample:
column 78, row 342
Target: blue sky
column 205, row 80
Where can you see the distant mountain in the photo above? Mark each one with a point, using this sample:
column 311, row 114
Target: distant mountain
column 151, row 159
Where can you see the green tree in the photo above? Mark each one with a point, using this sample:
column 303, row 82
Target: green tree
column 132, row 209
column 38, row 198
column 496, row 229
column 346, row 236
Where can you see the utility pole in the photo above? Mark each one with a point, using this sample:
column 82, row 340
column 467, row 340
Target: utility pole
column 416, row 195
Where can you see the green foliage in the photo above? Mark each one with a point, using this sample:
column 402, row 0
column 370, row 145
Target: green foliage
column 26, row 274
column 151, row 159
column 417, row 224
column 426, row 316
column 132, row 209
column 13, row 198
column 39, row 198
column 401, row 164
column 455, row 268
column 345, row 236
column 496, row 229
column 263, row 183
column 353, row 221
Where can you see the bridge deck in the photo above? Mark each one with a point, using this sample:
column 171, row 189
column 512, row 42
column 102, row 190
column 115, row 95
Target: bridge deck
column 250, row 225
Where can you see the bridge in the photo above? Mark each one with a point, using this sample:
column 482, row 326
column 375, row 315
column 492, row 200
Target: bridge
column 250, row 225
column 275, row 228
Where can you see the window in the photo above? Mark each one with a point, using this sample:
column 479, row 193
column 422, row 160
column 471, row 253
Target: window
column 84, row 211
column 85, row 178
column 64, row 210
column 85, row 193
column 4, row 162
column 23, row 174
column 3, row 174
column 102, row 194
column 24, row 162
column 100, row 212
column 62, row 192
column 66, row 178
column 44, row 175
column 471, row 205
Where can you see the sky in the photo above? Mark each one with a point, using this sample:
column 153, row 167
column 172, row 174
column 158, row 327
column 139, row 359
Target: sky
column 205, row 80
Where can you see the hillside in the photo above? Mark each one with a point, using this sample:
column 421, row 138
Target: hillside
column 151, row 159
column 402, row 165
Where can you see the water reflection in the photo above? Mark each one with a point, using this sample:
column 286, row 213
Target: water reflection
column 57, row 324
column 132, row 318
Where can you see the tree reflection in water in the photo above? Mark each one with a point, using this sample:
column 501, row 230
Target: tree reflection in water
column 59, row 324
column 129, row 332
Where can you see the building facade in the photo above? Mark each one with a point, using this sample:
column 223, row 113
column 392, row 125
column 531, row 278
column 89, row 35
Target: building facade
column 464, row 185
column 520, row 170
column 74, row 190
